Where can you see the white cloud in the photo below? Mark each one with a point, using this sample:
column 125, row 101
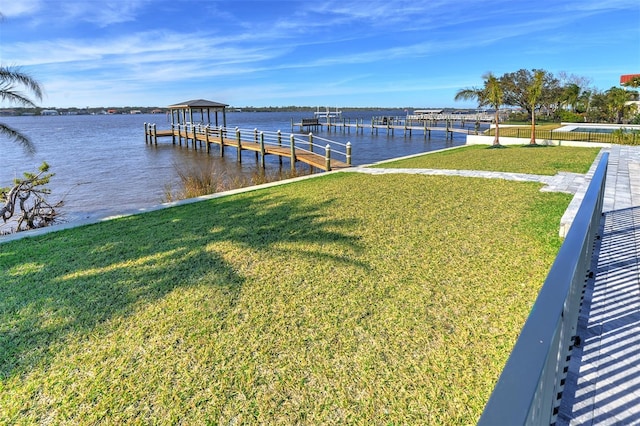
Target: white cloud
column 15, row 8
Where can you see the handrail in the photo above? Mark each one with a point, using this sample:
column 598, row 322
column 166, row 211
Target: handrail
column 529, row 389
column 308, row 143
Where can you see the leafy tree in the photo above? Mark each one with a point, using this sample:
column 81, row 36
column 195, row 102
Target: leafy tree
column 584, row 101
column 634, row 82
column 573, row 87
column 11, row 80
column 598, row 109
column 617, row 103
column 491, row 94
column 516, row 86
column 571, row 95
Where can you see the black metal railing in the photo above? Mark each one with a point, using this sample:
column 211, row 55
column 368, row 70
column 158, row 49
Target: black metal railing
column 529, row 389
column 626, row 137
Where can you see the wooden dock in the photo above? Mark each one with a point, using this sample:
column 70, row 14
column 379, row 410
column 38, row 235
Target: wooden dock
column 438, row 123
column 312, row 150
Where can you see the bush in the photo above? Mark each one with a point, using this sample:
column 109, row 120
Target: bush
column 570, row 117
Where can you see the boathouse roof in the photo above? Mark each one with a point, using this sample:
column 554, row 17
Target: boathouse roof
column 198, row 103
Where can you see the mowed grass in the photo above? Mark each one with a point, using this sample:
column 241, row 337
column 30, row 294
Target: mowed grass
column 345, row 299
column 540, row 160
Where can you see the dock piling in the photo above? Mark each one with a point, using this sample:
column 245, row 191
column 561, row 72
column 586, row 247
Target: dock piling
column 262, row 153
column 327, row 157
column 292, row 144
column 239, row 143
column 221, row 130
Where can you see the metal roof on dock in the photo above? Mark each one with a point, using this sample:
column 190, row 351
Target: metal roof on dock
column 198, row 103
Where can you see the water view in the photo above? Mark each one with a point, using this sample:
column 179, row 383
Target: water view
column 102, row 165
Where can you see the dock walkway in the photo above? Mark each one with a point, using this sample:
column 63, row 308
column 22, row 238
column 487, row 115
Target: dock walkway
column 389, row 126
column 312, row 150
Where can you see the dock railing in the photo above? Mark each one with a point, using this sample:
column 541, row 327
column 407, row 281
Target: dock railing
column 530, row 387
column 295, row 145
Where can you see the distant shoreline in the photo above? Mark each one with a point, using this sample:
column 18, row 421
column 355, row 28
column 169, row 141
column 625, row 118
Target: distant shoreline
column 16, row 112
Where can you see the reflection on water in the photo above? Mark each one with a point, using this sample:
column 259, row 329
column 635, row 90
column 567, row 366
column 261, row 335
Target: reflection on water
column 103, row 166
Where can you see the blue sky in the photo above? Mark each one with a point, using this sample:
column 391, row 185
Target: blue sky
column 330, row 53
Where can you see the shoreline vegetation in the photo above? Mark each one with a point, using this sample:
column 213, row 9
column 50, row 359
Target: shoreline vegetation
column 162, row 110
column 346, row 298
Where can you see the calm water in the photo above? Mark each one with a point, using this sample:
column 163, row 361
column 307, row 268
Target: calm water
column 102, row 165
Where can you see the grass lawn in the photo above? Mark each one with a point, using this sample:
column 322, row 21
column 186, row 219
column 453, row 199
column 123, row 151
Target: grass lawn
column 345, row 299
column 542, row 160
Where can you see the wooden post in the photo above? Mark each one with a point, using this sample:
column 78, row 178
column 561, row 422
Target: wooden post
column 292, row 145
column 239, row 141
column 173, row 132
column 262, row 162
column 255, row 139
column 206, row 138
column 221, row 130
column 195, row 139
column 146, row 133
column 310, row 141
column 349, row 153
column 279, row 145
column 327, row 157
column 155, row 134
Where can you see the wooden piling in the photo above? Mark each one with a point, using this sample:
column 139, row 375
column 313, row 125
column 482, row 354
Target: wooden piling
column 221, row 130
column 293, row 152
column 239, row 143
column 327, row 157
column 262, row 153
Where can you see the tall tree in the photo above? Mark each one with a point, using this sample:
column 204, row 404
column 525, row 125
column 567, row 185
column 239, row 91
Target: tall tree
column 533, row 94
column 616, row 99
column 515, row 87
column 11, row 81
column 570, row 95
column 491, row 94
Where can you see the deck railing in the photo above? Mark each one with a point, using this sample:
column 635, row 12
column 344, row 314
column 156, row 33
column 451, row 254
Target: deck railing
column 296, row 144
column 530, row 387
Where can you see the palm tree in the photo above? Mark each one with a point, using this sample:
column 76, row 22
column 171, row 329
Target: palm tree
column 571, row 95
column 617, row 103
column 533, row 94
column 11, row 79
column 491, row 94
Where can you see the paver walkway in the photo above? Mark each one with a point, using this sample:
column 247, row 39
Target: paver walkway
column 603, row 382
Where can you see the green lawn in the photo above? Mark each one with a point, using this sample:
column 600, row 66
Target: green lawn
column 344, row 299
column 542, row 160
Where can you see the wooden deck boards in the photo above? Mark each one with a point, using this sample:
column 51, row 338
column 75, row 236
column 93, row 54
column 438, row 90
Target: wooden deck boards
column 314, row 159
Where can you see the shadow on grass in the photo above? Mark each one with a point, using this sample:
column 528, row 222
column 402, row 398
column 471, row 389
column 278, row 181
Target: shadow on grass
column 71, row 281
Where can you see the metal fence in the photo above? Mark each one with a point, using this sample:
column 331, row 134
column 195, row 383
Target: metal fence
column 529, row 389
column 630, row 137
